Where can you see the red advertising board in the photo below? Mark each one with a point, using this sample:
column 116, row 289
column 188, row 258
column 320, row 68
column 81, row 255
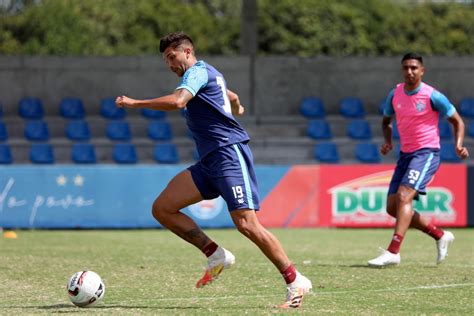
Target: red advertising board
column 355, row 196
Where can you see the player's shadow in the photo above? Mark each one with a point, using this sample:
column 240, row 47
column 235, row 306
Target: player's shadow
column 344, row 265
column 68, row 308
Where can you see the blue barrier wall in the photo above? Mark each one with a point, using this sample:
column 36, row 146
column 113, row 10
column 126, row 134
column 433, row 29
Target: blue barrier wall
column 102, row 196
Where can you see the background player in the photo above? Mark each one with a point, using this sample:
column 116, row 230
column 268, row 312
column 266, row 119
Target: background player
column 417, row 108
column 225, row 167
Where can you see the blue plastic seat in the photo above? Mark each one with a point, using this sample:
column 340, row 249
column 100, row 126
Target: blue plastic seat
column 125, row 154
column 159, row 130
column 312, row 107
column 352, row 108
column 445, row 131
column 367, row 152
column 3, row 132
column 359, row 129
column 319, row 129
column 36, row 131
column 448, row 153
column 41, row 154
column 166, row 153
column 31, row 108
column 109, row 110
column 118, row 130
column 78, row 130
column 466, row 107
column 83, row 153
column 71, row 108
column 470, row 128
column 5, row 154
column 326, row 152
column 153, row 114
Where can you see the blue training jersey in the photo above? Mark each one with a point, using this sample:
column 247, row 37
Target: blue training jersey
column 208, row 114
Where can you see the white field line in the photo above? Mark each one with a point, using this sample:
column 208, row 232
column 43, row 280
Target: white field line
column 318, row 292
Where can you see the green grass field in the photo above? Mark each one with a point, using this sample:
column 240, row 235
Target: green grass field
column 154, row 272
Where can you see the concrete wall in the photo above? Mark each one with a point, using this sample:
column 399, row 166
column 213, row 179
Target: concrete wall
column 275, row 87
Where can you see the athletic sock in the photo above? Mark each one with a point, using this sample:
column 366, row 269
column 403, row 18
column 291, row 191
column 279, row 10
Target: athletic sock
column 289, row 274
column 394, row 246
column 209, row 249
column 434, row 231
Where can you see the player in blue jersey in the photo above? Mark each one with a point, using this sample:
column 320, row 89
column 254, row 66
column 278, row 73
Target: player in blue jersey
column 225, row 167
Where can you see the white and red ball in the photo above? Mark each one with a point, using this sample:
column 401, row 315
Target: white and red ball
column 85, row 288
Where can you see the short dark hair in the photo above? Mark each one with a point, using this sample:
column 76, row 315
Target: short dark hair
column 413, row 56
column 174, row 40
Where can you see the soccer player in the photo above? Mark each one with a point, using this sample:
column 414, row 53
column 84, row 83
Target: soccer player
column 225, row 167
column 417, row 108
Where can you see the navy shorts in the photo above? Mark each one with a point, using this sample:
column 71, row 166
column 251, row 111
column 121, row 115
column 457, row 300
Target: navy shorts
column 415, row 170
column 228, row 172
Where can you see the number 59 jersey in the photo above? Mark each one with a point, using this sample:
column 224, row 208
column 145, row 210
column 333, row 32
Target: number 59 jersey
column 208, row 114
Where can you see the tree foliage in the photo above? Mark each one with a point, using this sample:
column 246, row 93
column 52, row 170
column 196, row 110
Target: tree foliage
column 286, row 27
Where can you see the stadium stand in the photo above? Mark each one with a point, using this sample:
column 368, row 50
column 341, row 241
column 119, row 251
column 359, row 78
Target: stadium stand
column 42, row 154
column 466, row 108
column 445, row 131
column 110, row 111
column 125, row 154
column 5, row 154
column 31, row 108
column 319, row 129
column 159, row 130
column 72, row 108
column 447, row 152
column 83, row 154
column 470, row 128
column 367, row 153
column 118, row 130
column 78, row 130
column 166, row 153
column 3, row 132
column 153, row 114
column 312, row 108
column 359, row 130
column 36, row 131
column 352, row 108
column 326, row 152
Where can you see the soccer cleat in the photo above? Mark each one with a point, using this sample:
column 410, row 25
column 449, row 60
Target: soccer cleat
column 442, row 244
column 296, row 290
column 221, row 259
column 385, row 259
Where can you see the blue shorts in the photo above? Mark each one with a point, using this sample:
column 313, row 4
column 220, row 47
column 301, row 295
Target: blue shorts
column 228, row 172
column 415, row 170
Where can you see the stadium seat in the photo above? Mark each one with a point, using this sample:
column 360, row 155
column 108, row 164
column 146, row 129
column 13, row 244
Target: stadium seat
column 36, row 131
column 110, row 111
column 367, row 152
column 466, row 107
column 83, row 153
column 445, row 131
column 41, row 154
column 78, row 130
column 118, row 130
column 470, row 128
column 352, row 108
column 3, row 132
column 159, row 130
column 359, row 129
column 447, row 152
column 31, row 108
column 166, row 153
column 326, row 152
column 319, row 129
column 125, row 154
column 5, row 154
column 153, row 114
column 312, row 108
column 72, row 108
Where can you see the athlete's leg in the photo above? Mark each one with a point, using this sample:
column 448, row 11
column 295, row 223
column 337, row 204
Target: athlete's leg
column 404, row 198
column 248, row 224
column 179, row 193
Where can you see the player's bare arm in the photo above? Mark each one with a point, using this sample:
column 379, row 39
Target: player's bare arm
column 387, row 135
column 458, row 126
column 175, row 101
column 237, row 108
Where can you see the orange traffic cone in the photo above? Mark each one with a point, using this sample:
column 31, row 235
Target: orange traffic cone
column 10, row 234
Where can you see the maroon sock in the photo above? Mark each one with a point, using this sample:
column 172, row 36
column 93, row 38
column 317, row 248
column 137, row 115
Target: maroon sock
column 289, row 274
column 434, row 231
column 209, row 249
column 394, row 246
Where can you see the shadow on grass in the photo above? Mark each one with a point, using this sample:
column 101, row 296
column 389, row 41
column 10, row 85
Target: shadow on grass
column 67, row 308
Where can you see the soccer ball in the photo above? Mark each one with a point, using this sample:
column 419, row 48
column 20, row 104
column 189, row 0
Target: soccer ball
column 85, row 288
